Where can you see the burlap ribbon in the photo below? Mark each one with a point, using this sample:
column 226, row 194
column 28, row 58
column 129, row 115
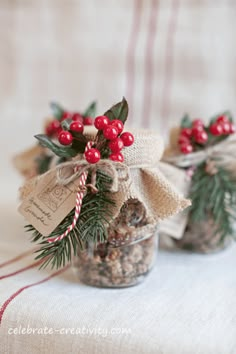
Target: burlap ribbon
column 223, row 153
column 139, row 178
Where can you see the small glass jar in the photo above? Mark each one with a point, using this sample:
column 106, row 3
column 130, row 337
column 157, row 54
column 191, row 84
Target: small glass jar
column 203, row 238
column 128, row 255
column 200, row 237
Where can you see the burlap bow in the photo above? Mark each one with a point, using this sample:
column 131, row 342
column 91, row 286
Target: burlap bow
column 223, row 153
column 139, row 178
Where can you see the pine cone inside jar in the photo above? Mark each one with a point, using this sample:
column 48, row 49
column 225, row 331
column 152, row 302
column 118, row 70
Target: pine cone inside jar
column 123, row 229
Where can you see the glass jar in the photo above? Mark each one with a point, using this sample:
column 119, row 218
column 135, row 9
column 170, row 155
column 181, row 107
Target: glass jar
column 199, row 236
column 203, row 238
column 128, row 255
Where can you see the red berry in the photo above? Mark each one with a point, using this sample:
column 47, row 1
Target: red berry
column 65, row 137
column 55, row 124
column 110, row 132
column 116, row 145
column 198, row 122
column 52, row 127
column 128, row 139
column 186, row 132
column 197, row 129
column 222, row 119
column 88, row 121
column 118, row 124
column 183, row 139
column 77, row 127
column 59, row 130
column 225, row 127
column 77, row 117
column 232, row 128
column 66, row 115
column 186, row 148
column 216, row 129
column 101, row 122
column 118, row 157
column 48, row 130
column 92, row 155
column 201, row 137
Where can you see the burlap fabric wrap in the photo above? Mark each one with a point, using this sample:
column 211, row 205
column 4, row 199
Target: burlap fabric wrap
column 202, row 237
column 25, row 162
column 145, row 182
column 223, row 153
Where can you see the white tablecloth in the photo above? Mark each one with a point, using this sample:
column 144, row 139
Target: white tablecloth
column 186, row 305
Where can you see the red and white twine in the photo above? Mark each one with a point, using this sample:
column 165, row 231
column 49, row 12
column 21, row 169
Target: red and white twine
column 78, row 203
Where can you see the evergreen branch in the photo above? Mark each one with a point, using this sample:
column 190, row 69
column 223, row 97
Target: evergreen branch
column 95, row 216
column 214, row 197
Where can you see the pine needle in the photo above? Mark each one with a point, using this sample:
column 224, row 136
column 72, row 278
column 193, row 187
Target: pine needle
column 214, row 196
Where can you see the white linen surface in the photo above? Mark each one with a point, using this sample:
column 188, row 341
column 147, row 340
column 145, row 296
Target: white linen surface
column 187, row 305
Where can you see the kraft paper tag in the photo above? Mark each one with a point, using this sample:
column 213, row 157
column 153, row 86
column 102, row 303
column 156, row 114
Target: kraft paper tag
column 49, row 203
column 175, row 225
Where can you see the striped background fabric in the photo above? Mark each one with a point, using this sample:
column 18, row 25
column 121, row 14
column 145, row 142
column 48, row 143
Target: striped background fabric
column 166, row 57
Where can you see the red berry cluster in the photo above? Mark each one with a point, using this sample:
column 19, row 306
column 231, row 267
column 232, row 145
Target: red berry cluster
column 54, row 127
column 222, row 126
column 65, row 137
column 111, row 131
column 189, row 136
column 198, row 135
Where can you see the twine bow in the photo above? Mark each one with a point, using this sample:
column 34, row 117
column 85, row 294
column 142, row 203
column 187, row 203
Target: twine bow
column 117, row 171
column 80, row 169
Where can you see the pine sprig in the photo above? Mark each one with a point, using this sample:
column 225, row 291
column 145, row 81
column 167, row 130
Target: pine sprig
column 214, row 197
column 92, row 225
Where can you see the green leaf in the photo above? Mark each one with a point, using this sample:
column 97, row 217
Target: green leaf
column 65, row 124
column 118, row 111
column 61, row 151
column 91, row 110
column 57, row 110
column 186, row 121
